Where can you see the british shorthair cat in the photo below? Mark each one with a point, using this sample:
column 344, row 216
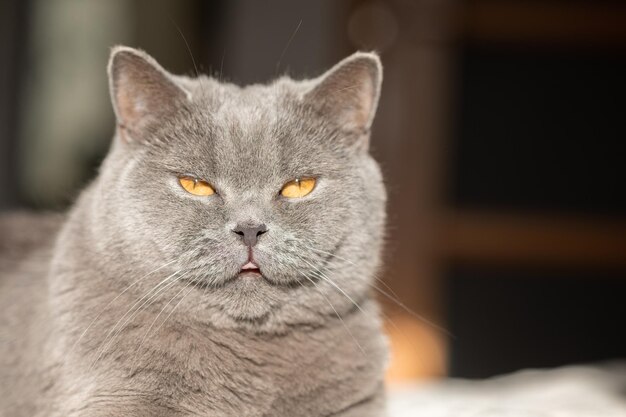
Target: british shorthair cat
column 220, row 264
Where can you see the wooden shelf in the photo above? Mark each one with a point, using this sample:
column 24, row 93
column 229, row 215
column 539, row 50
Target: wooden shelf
column 562, row 241
column 545, row 22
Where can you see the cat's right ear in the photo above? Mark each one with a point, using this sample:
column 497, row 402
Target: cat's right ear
column 142, row 92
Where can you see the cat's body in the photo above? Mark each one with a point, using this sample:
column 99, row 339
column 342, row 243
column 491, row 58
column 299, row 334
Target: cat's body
column 138, row 304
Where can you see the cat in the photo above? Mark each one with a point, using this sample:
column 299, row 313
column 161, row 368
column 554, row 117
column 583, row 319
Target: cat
column 220, row 264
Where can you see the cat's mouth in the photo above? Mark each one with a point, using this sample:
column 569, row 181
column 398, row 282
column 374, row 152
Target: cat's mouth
column 251, row 269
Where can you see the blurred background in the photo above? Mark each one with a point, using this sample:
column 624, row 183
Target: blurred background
column 500, row 131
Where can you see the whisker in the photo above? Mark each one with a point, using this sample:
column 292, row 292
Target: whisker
column 414, row 314
column 325, row 278
column 177, row 304
column 293, row 35
column 161, row 312
column 353, row 264
column 159, row 315
column 147, row 303
column 111, row 302
column 385, row 316
column 222, row 64
column 394, row 298
column 336, row 312
column 193, row 61
column 108, row 339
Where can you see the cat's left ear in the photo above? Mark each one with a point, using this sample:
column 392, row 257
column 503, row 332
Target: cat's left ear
column 142, row 92
column 348, row 93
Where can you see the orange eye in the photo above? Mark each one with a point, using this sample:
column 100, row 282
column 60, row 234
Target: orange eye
column 195, row 186
column 298, row 187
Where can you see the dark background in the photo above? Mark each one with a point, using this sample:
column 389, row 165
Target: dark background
column 500, row 131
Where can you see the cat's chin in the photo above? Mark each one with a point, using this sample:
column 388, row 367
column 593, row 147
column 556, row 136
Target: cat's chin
column 247, row 297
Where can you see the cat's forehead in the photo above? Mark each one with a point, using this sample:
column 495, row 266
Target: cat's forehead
column 251, row 122
column 250, row 135
column 247, row 110
column 222, row 96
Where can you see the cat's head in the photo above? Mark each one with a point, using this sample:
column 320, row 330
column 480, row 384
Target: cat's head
column 264, row 197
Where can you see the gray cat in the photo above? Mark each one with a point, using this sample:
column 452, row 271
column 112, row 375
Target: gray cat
column 219, row 265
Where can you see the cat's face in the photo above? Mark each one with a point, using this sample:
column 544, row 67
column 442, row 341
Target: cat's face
column 251, row 238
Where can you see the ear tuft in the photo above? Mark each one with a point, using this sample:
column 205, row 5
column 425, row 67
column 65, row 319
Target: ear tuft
column 349, row 91
column 141, row 91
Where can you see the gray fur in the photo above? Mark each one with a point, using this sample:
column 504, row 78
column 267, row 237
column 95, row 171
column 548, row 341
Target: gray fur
column 220, row 345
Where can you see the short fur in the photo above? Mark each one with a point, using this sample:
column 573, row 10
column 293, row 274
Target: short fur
column 304, row 340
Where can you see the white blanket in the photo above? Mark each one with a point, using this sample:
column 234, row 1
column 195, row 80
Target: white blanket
column 574, row 391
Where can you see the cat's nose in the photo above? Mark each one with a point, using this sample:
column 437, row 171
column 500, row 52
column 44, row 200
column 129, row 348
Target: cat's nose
column 250, row 233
